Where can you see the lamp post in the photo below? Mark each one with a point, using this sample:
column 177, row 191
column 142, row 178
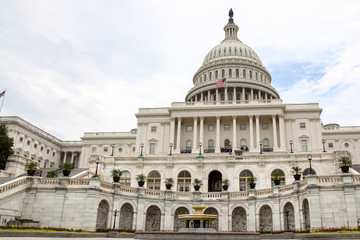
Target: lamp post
column 260, row 143
column 112, row 150
column 310, row 158
column 323, row 142
column 115, row 214
column 171, row 145
column 291, row 143
column 200, row 145
column 142, row 146
column 230, row 152
column 97, row 161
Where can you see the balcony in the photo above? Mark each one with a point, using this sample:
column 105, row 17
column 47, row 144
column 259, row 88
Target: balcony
column 188, row 150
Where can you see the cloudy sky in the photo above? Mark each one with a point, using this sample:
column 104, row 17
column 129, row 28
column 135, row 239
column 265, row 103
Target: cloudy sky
column 72, row 66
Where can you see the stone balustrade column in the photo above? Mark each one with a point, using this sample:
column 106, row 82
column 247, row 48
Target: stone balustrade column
column 172, row 130
column 195, row 141
column 274, row 132
column 234, row 141
column 257, row 126
column 282, row 132
column 178, row 136
column 202, row 130
column 251, row 129
column 217, row 146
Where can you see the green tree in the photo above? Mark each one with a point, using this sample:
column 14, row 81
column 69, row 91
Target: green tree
column 6, row 145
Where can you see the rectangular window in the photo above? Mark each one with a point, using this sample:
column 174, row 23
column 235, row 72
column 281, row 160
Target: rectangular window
column 189, row 128
column 153, row 129
column 211, row 127
column 48, row 151
column 242, row 126
column 53, row 154
column 133, row 149
column 35, row 145
column 21, row 139
column 152, row 148
column 42, row 148
column 331, row 145
column 304, row 146
column 28, row 142
column 302, row 125
column 265, row 126
column 93, row 149
column 227, row 127
column 105, row 149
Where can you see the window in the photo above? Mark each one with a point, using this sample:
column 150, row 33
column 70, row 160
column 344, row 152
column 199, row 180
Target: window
column 189, row 128
column 307, row 171
column 53, row 154
column 211, row 127
column 35, row 145
column 222, row 97
column 230, row 96
column 210, row 75
column 152, row 148
column 237, row 73
column 153, row 181
column 224, row 50
column 304, row 146
column 211, row 146
column 331, row 145
column 346, row 144
column 133, row 149
column 244, row 73
column 21, row 139
column 92, row 149
column 106, row 149
column 230, row 73
column 265, row 126
column 244, row 180
column 256, row 76
column 242, row 126
column 120, row 149
column 227, row 127
column 302, row 125
column 229, row 49
column 223, row 73
column 281, row 177
column 205, row 77
column 125, row 178
column 250, row 74
column 184, row 181
column 41, row 148
column 153, row 129
column 188, row 146
column 28, row 142
column 243, row 143
column 216, row 74
column 266, row 143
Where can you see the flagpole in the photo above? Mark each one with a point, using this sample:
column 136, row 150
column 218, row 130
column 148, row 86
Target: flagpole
column 2, row 102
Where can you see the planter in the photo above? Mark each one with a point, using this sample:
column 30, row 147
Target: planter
column 31, row 172
column 66, row 173
column 197, row 187
column 297, row 177
column 141, row 183
column 168, row 186
column 345, row 169
column 252, row 185
column 277, row 182
column 225, row 187
column 116, row 178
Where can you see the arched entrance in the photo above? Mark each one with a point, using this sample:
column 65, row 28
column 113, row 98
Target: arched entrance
column 214, row 182
column 153, row 219
column 126, row 217
column 213, row 211
column 266, row 219
column 306, row 214
column 179, row 223
column 289, row 218
column 239, row 221
column 102, row 214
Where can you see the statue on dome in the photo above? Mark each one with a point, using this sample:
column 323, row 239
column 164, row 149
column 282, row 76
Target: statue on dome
column 231, row 14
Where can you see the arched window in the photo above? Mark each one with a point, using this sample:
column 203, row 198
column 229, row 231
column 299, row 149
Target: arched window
column 244, row 180
column 243, row 145
column 154, row 180
column 222, row 97
column 184, row 181
column 211, row 146
column 219, row 51
column 230, row 73
column 250, row 74
column 307, row 171
column 256, row 76
column 224, row 50
column 223, row 73
column 244, row 73
column 237, row 73
column 210, row 75
column 230, row 96
column 188, row 146
column 216, row 74
column 281, row 177
column 229, row 49
column 235, row 50
column 125, row 178
column 266, row 144
column 205, row 77
column 240, row 51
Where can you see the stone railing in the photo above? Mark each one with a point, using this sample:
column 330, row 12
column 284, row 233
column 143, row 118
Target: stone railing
column 266, row 191
column 210, row 195
column 126, row 189
column 182, row 195
column 48, row 181
column 78, row 182
column 329, row 179
column 286, row 188
column 16, row 184
column 154, row 193
column 237, row 195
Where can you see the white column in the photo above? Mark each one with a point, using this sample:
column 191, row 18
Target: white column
column 274, row 132
column 257, row 132
column 226, row 95
column 172, row 131
column 72, row 158
column 217, row 96
column 234, row 95
column 251, row 133
column 202, row 130
column 282, row 132
column 201, row 97
column 195, row 141
column 217, row 146
column 234, row 141
column 243, row 94
column 209, row 97
column 252, row 94
column 64, row 159
column 178, row 136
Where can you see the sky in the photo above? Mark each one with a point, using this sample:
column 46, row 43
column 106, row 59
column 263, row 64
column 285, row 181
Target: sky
column 72, row 66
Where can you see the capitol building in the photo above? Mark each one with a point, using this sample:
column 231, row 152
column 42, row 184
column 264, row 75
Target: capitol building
column 232, row 126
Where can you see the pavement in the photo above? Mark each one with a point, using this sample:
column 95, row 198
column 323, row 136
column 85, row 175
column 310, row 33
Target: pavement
column 55, row 238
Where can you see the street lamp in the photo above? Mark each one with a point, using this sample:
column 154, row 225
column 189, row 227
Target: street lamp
column 291, row 143
column 142, row 146
column 97, row 161
column 112, row 151
column 115, row 214
column 230, row 152
column 310, row 158
column 200, row 145
column 323, row 142
column 171, row 145
column 260, row 143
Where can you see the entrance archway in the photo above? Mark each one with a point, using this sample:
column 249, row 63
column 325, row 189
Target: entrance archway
column 126, row 217
column 266, row 219
column 306, row 214
column 102, row 214
column 179, row 223
column 289, row 218
column 239, row 221
column 215, row 178
column 213, row 211
column 153, row 219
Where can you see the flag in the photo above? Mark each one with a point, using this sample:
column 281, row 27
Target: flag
column 2, row 94
column 221, row 83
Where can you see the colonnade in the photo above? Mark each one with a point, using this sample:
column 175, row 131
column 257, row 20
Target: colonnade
column 74, row 157
column 255, row 136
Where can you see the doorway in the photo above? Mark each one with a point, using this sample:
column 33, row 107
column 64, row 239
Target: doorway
column 215, row 178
